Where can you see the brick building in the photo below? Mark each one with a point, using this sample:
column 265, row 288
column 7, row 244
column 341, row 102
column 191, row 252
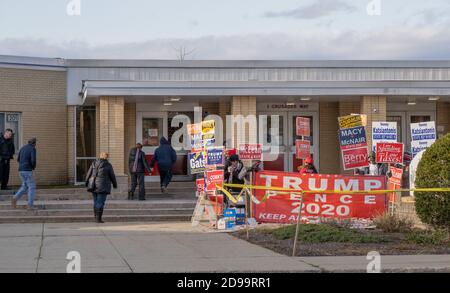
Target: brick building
column 77, row 108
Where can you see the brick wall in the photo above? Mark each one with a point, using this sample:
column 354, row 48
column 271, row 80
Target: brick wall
column 40, row 97
column 443, row 117
column 328, row 138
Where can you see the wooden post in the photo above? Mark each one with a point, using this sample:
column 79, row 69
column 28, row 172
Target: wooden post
column 297, row 230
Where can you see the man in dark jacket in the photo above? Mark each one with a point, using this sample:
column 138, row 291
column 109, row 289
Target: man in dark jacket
column 165, row 156
column 137, row 165
column 27, row 164
column 7, row 151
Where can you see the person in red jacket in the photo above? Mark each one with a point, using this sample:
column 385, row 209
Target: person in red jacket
column 308, row 167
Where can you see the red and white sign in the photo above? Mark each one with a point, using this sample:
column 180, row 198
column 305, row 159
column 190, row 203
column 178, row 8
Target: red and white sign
column 355, row 158
column 250, row 151
column 302, row 149
column 303, row 126
column 284, row 208
column 200, row 183
column 389, row 152
column 396, row 177
column 213, row 177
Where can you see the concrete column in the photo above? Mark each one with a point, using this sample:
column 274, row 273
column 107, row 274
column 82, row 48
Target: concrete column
column 375, row 109
column 71, row 131
column 130, row 131
column 112, row 139
column 328, row 138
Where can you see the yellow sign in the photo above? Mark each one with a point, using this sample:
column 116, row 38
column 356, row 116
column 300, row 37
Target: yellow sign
column 350, row 121
column 208, row 127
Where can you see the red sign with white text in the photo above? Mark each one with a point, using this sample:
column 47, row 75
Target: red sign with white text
column 389, row 152
column 213, row 177
column 200, row 183
column 250, row 151
column 355, row 158
column 302, row 149
column 284, row 208
column 302, row 126
column 396, row 177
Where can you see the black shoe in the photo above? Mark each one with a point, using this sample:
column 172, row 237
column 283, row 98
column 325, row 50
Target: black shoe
column 95, row 214
column 99, row 216
column 130, row 195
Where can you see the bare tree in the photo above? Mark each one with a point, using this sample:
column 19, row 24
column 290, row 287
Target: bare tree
column 182, row 52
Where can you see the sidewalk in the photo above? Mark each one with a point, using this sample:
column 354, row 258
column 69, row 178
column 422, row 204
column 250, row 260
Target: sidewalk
column 167, row 247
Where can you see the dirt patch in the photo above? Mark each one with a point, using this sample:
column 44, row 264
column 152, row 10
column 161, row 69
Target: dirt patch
column 392, row 244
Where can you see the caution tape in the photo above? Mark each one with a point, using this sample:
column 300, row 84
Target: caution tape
column 282, row 190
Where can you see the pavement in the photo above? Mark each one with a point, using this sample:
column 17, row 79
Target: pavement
column 168, row 247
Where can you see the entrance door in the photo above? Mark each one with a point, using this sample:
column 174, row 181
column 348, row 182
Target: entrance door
column 294, row 163
column 274, row 152
column 150, row 127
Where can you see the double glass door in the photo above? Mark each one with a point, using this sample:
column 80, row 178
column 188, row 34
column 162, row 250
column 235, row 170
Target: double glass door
column 285, row 157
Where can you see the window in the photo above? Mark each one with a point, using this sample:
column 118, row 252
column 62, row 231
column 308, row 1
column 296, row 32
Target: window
column 85, row 140
column 11, row 120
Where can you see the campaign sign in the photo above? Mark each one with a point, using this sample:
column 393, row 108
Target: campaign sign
column 197, row 162
column 423, row 131
column 351, row 138
column 213, row 177
column 284, row 207
column 302, row 149
column 419, row 145
column 214, row 156
column 350, row 121
column 302, row 126
column 355, row 158
column 389, row 152
column 200, row 183
column 208, row 130
column 383, row 132
column 396, row 177
column 250, row 151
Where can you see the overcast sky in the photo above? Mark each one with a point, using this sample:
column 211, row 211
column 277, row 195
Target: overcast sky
column 231, row 29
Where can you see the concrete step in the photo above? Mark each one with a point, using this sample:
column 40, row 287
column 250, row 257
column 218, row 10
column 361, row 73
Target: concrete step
column 89, row 212
column 106, row 218
column 115, row 211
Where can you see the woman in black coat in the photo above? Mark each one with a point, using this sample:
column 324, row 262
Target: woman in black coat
column 98, row 181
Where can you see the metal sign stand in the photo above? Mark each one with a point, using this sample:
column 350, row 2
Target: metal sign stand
column 203, row 204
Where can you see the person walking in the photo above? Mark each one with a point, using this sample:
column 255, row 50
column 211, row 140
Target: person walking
column 99, row 179
column 27, row 164
column 137, row 166
column 165, row 156
column 7, row 150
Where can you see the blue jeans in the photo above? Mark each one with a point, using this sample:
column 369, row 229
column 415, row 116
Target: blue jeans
column 28, row 184
column 99, row 200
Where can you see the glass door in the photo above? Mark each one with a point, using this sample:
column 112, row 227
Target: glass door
column 294, row 163
column 177, row 134
column 274, row 149
column 150, row 127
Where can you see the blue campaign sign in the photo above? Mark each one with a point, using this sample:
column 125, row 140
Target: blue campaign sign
column 197, row 162
column 214, row 156
column 352, row 137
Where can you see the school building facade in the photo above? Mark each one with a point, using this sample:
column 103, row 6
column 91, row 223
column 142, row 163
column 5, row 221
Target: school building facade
column 77, row 108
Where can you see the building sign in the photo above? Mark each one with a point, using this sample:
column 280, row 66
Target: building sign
column 302, row 149
column 213, row 177
column 208, row 130
column 350, row 121
column 383, row 132
column 389, row 152
column 423, row 135
column 284, row 208
column 250, row 151
column 197, row 162
column 303, row 126
column 214, row 156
